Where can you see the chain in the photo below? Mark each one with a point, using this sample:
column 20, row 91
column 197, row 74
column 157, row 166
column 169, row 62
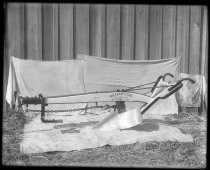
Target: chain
column 71, row 110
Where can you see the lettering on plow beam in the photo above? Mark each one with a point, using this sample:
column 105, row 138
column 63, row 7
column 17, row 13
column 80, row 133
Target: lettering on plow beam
column 121, row 96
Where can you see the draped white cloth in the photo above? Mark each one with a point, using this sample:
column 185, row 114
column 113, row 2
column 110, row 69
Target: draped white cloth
column 50, row 78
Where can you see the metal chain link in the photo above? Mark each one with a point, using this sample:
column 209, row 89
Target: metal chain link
column 70, row 110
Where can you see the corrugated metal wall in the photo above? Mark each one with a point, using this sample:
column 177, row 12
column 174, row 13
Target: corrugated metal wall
column 60, row 31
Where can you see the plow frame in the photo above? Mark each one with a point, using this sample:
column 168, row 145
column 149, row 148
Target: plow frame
column 119, row 96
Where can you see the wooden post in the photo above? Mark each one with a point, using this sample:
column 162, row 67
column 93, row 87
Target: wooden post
column 155, row 32
column 169, row 30
column 141, row 32
column 97, row 30
column 182, row 36
column 50, row 31
column 127, row 32
column 33, row 35
column 82, row 29
column 66, row 31
column 113, row 31
column 195, row 28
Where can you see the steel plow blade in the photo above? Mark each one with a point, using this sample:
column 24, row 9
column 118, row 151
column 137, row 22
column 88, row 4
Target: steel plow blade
column 117, row 121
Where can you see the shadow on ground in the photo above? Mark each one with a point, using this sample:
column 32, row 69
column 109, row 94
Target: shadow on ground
column 149, row 125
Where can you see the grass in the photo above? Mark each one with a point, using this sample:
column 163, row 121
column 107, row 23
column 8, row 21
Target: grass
column 150, row 154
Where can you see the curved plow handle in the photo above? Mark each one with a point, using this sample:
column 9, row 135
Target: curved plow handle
column 159, row 78
column 180, row 82
column 189, row 79
column 171, row 90
column 168, row 74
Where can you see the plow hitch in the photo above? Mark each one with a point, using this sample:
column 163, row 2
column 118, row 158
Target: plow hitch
column 38, row 100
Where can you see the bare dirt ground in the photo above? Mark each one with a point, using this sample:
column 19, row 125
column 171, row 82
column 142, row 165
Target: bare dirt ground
column 150, row 154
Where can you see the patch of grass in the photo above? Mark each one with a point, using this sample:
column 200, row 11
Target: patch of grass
column 12, row 132
column 149, row 154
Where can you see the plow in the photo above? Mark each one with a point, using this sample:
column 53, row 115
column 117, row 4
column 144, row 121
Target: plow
column 159, row 91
